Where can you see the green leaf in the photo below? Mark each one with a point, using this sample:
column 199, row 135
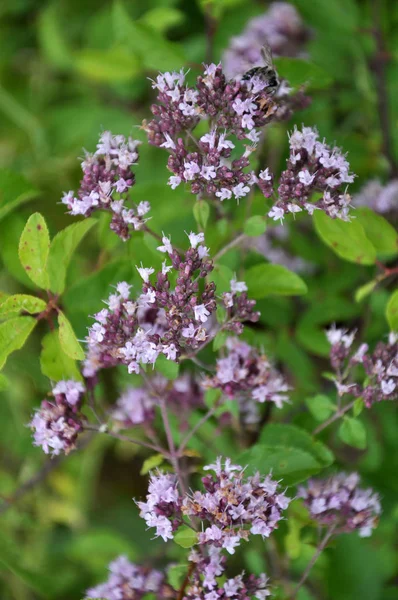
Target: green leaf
column 294, row 437
column 4, row 383
column 168, row 368
column 353, row 433
column 13, row 335
column 54, row 363
column 34, row 246
column 290, row 464
column 67, row 339
column 320, row 406
column 221, row 275
column 22, row 303
column 186, row 537
column 176, row 575
column 108, row 66
column 219, row 340
column 62, row 248
column 161, row 18
column 392, row 311
column 151, row 463
column 51, row 39
column 300, row 72
column 347, row 239
column 254, row 226
column 380, row 232
column 11, row 559
column 364, row 290
column 358, row 407
column 266, row 279
column 201, row 212
column 15, row 190
column 154, row 50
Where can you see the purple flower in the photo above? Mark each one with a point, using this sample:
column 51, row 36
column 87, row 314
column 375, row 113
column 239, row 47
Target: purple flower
column 233, row 506
column 313, row 167
column 381, row 367
column 134, row 407
column 163, row 502
column 236, row 109
column 339, row 501
column 105, row 173
column 248, row 376
column 280, row 27
column 128, row 581
column 380, row 198
column 56, row 424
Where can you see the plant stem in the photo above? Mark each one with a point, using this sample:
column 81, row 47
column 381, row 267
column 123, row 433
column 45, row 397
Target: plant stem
column 379, row 69
column 172, row 449
column 198, row 425
column 313, row 560
column 126, row 438
column 232, row 244
column 337, row 415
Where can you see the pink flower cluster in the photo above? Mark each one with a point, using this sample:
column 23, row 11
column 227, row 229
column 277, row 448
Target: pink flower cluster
column 128, row 581
column 380, row 198
column 339, row 501
column 234, row 108
column 381, row 367
column 107, row 179
column 56, row 424
column 136, row 406
column 248, row 376
column 209, row 581
column 313, row 167
column 280, row 27
column 239, row 307
column 161, row 320
column 232, row 506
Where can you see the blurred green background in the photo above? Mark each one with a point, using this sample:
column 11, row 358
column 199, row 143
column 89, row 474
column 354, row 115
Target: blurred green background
column 69, row 69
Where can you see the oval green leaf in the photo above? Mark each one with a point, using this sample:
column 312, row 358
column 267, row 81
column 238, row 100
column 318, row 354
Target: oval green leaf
column 62, row 248
column 347, row 239
column 22, row 303
column 264, row 280
column 392, row 311
column 13, row 335
column 54, row 363
column 68, row 340
column 186, row 537
column 34, row 245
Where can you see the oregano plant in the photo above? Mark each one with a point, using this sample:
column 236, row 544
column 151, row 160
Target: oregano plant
column 226, row 335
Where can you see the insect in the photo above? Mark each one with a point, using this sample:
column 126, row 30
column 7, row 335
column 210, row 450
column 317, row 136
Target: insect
column 266, row 73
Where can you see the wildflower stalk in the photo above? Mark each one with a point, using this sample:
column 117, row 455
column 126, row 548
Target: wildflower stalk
column 337, row 415
column 313, row 560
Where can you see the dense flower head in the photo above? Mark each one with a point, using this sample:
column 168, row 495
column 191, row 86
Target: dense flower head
column 136, row 406
column 162, row 508
column 231, row 508
column 234, row 506
column 236, row 109
column 107, row 179
column 280, row 27
column 206, row 582
column 380, row 198
column 239, row 307
column 161, row 320
column 339, row 501
column 128, row 581
column 380, row 366
column 247, row 375
column 313, row 167
column 56, row 424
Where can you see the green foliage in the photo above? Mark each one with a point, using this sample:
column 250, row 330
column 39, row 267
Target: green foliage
column 266, row 279
column 320, row 406
column 392, row 311
column 34, row 246
column 201, row 211
column 346, row 239
column 167, row 368
column 186, row 537
column 54, row 362
column 62, row 247
column 353, row 433
column 255, row 226
column 22, row 303
column 13, row 335
column 67, row 339
column 15, row 190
